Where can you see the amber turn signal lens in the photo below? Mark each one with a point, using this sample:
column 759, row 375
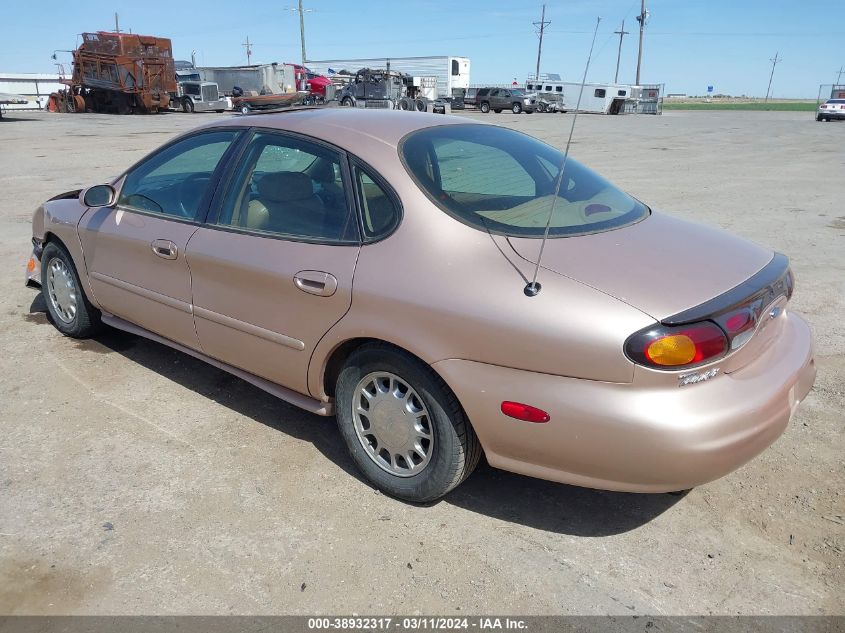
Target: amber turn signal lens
column 677, row 349
column 30, row 265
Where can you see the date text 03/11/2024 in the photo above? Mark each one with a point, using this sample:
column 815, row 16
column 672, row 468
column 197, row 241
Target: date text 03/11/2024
column 416, row 623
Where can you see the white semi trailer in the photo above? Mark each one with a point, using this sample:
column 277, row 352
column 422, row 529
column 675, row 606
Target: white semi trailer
column 596, row 98
column 452, row 73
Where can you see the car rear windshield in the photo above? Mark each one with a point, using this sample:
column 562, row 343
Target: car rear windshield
column 502, row 181
column 835, row 101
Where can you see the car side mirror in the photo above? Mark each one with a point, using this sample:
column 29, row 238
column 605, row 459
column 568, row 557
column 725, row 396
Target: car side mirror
column 98, row 196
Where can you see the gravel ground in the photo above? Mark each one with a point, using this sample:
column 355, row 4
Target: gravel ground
column 134, row 479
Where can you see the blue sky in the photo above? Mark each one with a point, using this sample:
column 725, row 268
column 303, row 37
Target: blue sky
column 688, row 45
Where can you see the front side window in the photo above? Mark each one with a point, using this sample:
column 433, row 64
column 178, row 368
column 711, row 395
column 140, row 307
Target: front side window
column 289, row 187
column 558, row 88
column 456, row 69
column 502, row 181
column 174, row 181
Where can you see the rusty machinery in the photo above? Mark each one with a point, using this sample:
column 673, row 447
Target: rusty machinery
column 120, row 73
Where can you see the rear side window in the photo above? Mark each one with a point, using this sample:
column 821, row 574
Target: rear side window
column 558, row 88
column 292, row 188
column 379, row 208
column 600, row 93
column 456, row 69
column 501, row 181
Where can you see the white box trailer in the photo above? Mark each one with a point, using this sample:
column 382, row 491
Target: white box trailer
column 36, row 87
column 596, row 98
column 451, row 73
column 260, row 78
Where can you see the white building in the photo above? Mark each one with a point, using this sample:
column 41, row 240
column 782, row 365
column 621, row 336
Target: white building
column 35, row 86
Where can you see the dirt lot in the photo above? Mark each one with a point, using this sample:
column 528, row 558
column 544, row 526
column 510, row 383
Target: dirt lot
column 134, row 479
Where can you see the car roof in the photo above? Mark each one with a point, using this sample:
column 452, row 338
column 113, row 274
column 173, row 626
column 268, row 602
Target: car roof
column 343, row 126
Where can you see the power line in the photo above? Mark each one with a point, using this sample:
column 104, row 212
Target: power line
column 541, row 25
column 621, row 33
column 302, row 13
column 641, row 18
column 248, row 46
column 775, row 61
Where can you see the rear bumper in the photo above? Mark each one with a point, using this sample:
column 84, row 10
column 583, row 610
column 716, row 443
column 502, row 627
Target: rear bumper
column 632, row 437
column 831, row 114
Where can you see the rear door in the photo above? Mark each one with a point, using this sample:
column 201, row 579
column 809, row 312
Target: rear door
column 272, row 272
column 135, row 250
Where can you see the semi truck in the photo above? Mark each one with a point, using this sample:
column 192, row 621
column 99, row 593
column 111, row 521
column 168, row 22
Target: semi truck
column 389, row 89
column 451, row 73
column 118, row 72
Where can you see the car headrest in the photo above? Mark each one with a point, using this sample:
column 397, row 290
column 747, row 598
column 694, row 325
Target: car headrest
column 323, row 171
column 285, row 186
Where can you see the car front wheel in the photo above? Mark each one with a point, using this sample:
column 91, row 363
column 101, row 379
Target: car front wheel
column 517, row 108
column 69, row 309
column 403, row 426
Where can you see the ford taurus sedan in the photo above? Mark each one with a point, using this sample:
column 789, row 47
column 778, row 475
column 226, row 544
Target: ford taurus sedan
column 378, row 266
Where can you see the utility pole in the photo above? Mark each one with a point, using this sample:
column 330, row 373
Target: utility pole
column 839, row 76
column 641, row 18
column 248, row 46
column 302, row 13
column 775, row 61
column 621, row 33
column 116, row 23
column 542, row 24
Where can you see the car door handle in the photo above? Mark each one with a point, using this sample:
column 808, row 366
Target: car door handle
column 315, row 282
column 165, row 249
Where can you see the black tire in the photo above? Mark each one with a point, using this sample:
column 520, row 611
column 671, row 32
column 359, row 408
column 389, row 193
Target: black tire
column 187, row 105
column 420, row 105
column 818, row 117
column 541, row 107
column 516, row 108
column 404, row 104
column 456, row 450
column 484, row 107
column 245, row 109
column 347, row 102
column 86, row 322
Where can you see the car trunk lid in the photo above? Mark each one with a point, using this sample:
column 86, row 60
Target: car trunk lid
column 662, row 265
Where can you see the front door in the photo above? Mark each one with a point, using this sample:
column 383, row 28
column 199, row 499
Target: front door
column 135, row 250
column 273, row 271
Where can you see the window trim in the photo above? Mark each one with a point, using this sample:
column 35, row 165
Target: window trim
column 213, row 185
column 381, row 181
column 227, row 180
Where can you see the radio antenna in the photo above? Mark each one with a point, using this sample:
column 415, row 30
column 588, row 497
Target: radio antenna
column 532, row 289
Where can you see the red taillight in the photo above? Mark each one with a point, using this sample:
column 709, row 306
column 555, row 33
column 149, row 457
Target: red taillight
column 524, row 412
column 665, row 347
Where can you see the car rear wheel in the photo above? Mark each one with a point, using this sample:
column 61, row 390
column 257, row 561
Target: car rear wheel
column 818, row 117
column 484, row 107
column 67, row 305
column 403, row 426
column 245, row 109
